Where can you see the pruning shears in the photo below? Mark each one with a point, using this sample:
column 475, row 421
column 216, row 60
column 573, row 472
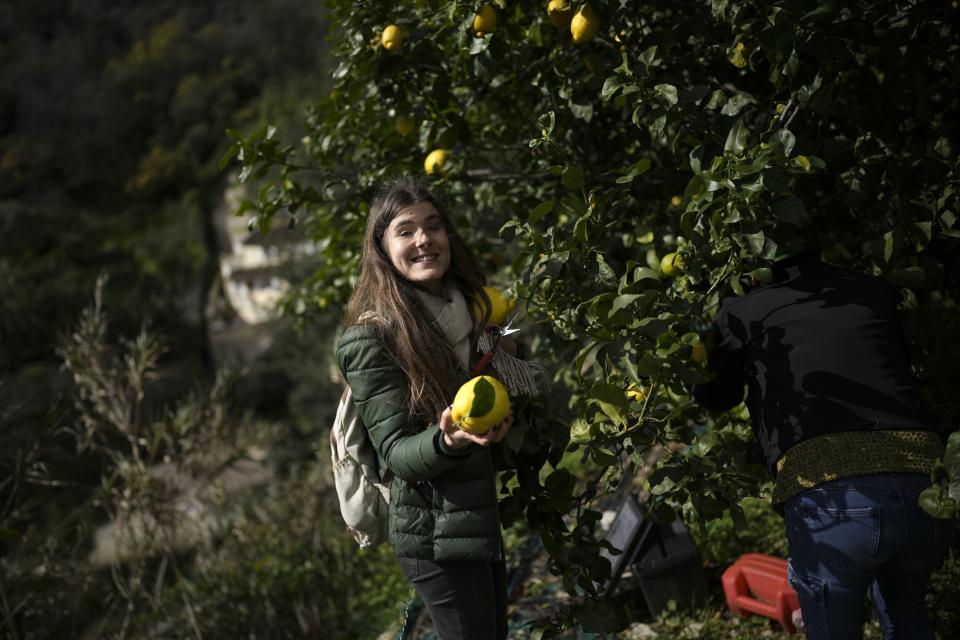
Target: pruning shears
column 498, row 333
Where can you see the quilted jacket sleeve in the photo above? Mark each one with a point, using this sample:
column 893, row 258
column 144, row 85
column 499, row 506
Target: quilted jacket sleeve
column 381, row 391
column 726, row 361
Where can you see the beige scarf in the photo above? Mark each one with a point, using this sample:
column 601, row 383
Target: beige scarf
column 452, row 317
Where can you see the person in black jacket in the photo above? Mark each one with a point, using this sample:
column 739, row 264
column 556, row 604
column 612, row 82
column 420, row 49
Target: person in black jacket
column 838, row 417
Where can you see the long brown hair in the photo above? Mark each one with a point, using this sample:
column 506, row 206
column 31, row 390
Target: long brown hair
column 387, row 300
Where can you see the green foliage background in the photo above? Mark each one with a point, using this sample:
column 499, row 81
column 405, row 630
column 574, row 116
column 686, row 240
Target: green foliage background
column 111, row 124
column 731, row 132
column 723, row 130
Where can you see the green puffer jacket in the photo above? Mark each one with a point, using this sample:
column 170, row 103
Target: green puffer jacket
column 443, row 503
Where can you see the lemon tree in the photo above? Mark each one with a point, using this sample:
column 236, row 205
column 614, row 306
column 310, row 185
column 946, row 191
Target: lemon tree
column 581, row 153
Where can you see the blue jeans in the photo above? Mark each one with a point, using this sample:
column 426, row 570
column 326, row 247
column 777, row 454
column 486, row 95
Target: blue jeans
column 848, row 535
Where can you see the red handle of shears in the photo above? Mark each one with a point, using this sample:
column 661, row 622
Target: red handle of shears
column 484, row 361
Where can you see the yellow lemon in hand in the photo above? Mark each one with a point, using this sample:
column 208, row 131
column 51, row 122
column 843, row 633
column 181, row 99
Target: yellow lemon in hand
column 671, row 264
column 480, row 404
column 584, row 25
column 485, row 21
column 392, row 38
column 560, row 13
column 435, row 161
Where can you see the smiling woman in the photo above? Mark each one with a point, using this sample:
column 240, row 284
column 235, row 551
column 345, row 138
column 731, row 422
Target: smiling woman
column 418, row 246
column 409, row 340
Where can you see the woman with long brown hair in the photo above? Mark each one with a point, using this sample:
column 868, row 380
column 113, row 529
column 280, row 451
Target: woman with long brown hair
column 408, row 344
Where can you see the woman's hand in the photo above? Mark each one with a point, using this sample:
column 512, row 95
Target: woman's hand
column 456, row 438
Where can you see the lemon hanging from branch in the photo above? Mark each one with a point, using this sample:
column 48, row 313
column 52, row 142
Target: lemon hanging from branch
column 485, row 21
column 672, row 264
column 435, row 161
column 584, row 25
column 404, row 125
column 392, row 38
column 480, row 404
column 560, row 13
column 500, row 306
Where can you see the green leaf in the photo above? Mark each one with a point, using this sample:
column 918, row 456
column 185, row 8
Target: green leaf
column 912, row 277
column 643, row 273
column 706, row 442
column 772, row 180
column 668, row 92
column 646, row 367
column 610, row 87
column 612, row 401
column 935, row 501
column 790, row 210
column 738, row 517
column 605, row 274
column 231, row 153
column 735, row 104
column 541, row 210
column 484, row 398
column 786, row 140
column 547, row 121
column 572, row 177
column 889, row 245
column 649, row 56
column 587, row 357
column 623, row 301
column 696, row 158
column 664, row 486
column 479, row 45
column 943, row 147
column 582, row 111
column 638, row 169
column 737, row 138
column 717, row 98
column 651, row 327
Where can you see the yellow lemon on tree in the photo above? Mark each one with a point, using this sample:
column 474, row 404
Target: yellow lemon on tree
column 584, row 25
column 404, row 125
column 740, row 54
column 435, row 161
column 676, row 201
column 485, row 21
column 671, row 264
column 699, row 353
column 637, row 393
column 480, row 404
column 560, row 13
column 500, row 306
column 392, row 38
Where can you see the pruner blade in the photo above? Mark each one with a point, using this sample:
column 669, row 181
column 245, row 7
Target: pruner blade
column 507, row 329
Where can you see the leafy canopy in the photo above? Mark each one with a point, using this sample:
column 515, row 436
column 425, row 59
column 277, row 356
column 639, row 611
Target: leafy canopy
column 725, row 131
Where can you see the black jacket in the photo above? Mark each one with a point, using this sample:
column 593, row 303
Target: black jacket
column 821, row 350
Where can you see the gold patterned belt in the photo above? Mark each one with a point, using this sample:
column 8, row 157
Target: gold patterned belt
column 853, row 453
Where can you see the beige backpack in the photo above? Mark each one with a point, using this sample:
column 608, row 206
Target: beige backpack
column 364, row 496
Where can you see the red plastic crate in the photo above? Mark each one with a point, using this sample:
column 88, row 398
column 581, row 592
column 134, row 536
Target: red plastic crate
column 757, row 584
